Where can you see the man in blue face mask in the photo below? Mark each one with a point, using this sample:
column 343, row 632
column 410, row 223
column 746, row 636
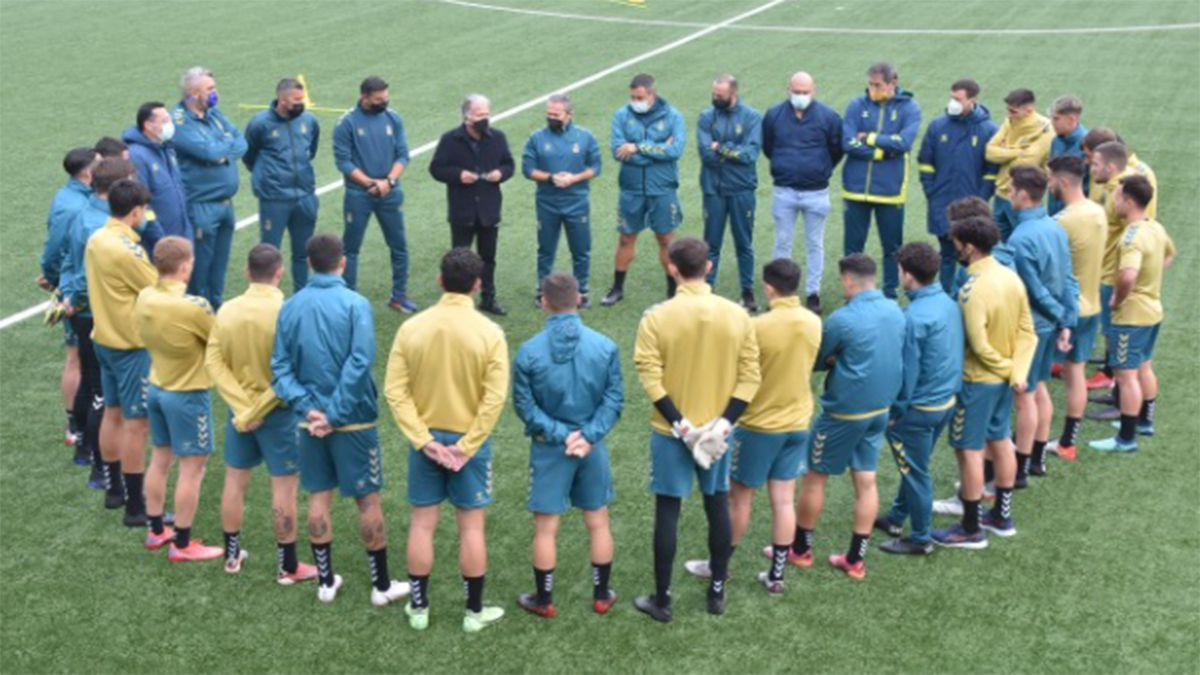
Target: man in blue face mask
column 953, row 166
column 209, row 147
column 158, row 169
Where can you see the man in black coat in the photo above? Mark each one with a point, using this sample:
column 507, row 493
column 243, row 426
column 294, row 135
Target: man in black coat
column 473, row 159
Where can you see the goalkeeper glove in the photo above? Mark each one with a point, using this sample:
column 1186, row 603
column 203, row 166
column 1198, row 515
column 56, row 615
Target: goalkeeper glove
column 687, row 432
column 714, row 441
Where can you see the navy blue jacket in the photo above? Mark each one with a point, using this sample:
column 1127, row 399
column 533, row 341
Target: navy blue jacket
column 803, row 152
column 158, row 169
column 876, row 169
column 952, row 163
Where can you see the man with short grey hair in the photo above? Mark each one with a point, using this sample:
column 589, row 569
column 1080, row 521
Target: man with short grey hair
column 803, row 139
column 473, row 159
column 208, row 146
column 281, row 144
column 562, row 158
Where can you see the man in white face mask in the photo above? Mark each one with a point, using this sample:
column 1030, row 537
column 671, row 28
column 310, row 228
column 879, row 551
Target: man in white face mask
column 953, row 165
column 802, row 138
column 157, row 168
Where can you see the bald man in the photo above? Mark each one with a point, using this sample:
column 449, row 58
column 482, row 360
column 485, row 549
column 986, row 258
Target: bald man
column 802, row 138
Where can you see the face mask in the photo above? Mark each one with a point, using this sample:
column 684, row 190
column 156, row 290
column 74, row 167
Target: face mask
column 212, row 99
column 555, row 125
column 481, row 125
column 954, row 108
column 376, row 108
column 879, row 96
column 168, row 131
column 801, row 101
column 722, row 103
column 295, row 111
column 640, row 107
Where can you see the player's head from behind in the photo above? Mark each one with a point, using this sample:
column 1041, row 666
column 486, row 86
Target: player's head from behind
column 154, row 122
column 857, row 274
column 109, row 171
column 174, row 257
column 1020, row 104
column 974, row 238
column 326, row 254
column 643, row 93
column 79, row 162
column 882, row 80
column 961, row 209
column 688, row 260
column 964, row 96
column 1066, row 176
column 462, row 272
column 1132, row 197
column 919, row 265
column 1094, row 138
column 264, row 265
column 1109, row 160
column 1065, row 113
column 1028, row 186
column 111, row 147
column 128, row 201
column 373, row 95
column 781, row 278
column 560, row 293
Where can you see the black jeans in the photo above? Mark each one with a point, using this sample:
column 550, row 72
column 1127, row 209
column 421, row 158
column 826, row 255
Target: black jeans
column 485, row 240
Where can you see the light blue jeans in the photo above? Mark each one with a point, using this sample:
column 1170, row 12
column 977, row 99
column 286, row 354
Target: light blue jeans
column 788, row 204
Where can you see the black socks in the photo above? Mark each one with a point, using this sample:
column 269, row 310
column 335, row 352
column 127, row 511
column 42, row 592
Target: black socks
column 666, row 531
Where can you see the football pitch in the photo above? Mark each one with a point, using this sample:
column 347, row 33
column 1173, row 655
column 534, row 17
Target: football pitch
column 1103, row 576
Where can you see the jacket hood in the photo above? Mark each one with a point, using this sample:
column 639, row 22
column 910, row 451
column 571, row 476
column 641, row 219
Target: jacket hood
column 135, row 135
column 564, row 332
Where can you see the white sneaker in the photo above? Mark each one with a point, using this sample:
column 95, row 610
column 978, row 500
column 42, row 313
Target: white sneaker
column 951, row 506
column 235, row 566
column 1052, row 447
column 328, row 593
column 397, row 591
column 698, row 568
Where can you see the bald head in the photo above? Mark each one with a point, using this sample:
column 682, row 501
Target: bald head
column 802, row 83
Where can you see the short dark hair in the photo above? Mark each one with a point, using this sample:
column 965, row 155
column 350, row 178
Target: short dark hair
column 920, row 260
column 782, row 274
column 643, row 81
column 885, row 70
column 689, row 255
column 857, row 265
column 170, row 253
column 263, row 262
column 461, row 270
column 111, row 170
column 1069, row 165
column 77, row 160
column 288, row 84
column 325, row 252
column 1113, row 152
column 146, row 111
column 1139, row 189
column 1094, row 138
column 126, row 195
column 968, row 85
column 1020, row 97
column 1030, row 179
column 966, row 207
column 977, row 231
column 371, row 85
column 561, row 291
column 110, row 147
